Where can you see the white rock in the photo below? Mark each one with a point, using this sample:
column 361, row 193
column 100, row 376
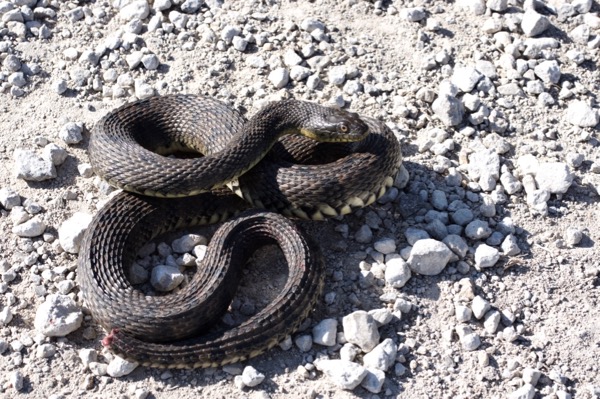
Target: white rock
column 165, row 278
column 344, row 374
column 533, row 23
column 5, row 316
column 510, row 246
column 291, row 58
column 298, row 73
column 492, row 321
column 71, row 231
column 531, row 375
column 32, row 167
column 239, row 43
column 71, row 132
column 497, row 5
column 382, row 356
column 31, row 228
column 397, row 272
column 9, row 198
column 385, row 245
column 87, row 356
column 56, row 154
column 465, row 78
column 480, row 306
column 463, row 313
column 251, row 377
column 527, row 391
column 448, row 109
column 486, row 256
column 554, row 177
column 373, row 381
column 579, row 113
column 468, row 339
column 325, row 333
column 162, row 5
column 118, row 367
column 429, row 257
column 413, row 14
column 360, row 329
column 279, row 77
column 58, row 316
column 476, row 7
column 136, row 9
column 337, row 75
column 15, row 380
column 548, row 71
column 187, row 243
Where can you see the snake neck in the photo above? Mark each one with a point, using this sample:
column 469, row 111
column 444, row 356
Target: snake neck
column 280, row 118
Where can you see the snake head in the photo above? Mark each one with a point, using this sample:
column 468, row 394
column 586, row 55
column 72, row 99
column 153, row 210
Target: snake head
column 333, row 125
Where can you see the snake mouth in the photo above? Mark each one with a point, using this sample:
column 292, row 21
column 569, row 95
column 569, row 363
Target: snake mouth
column 108, row 340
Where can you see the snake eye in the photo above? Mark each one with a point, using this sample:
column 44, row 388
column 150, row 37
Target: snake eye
column 343, row 128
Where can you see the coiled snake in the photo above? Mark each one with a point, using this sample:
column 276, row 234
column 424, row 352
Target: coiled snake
column 128, row 148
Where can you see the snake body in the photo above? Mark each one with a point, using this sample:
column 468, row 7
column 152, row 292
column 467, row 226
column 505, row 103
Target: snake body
column 127, row 149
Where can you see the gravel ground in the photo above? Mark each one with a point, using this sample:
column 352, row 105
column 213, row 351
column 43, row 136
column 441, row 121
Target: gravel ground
column 476, row 276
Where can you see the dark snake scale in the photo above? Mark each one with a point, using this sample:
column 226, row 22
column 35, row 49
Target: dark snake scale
column 264, row 162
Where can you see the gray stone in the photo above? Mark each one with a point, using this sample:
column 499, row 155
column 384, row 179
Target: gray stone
column 381, row 316
column 364, row 235
column 239, row 43
column 343, row 373
column 573, row 236
column 486, row 256
column 382, row 356
column 252, row 377
column 463, row 313
column 554, row 177
column 58, row 316
column 136, row 9
column 385, row 245
column 468, row 339
column 448, row 109
column 580, row 114
column 548, row 71
column 165, row 278
column 492, row 321
column 533, row 23
column 32, row 167
column 478, row 230
column 465, row 78
column 31, row 228
column 373, row 381
column 457, row 244
column 304, row 342
column 71, row 132
column 9, row 198
column 462, row 216
column 527, row 391
column 531, row 375
column 191, row 6
column 71, row 231
column 414, row 234
column 325, row 332
column 119, row 367
column 187, row 243
column 56, row 154
column 397, row 272
column 337, row 75
column 279, row 77
column 429, row 257
column 510, row 246
column 360, row 329
column 480, row 307
column 413, row 14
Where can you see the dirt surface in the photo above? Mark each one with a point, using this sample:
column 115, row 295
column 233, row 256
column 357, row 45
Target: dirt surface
column 551, row 286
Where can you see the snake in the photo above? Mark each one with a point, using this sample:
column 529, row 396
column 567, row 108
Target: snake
column 274, row 161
